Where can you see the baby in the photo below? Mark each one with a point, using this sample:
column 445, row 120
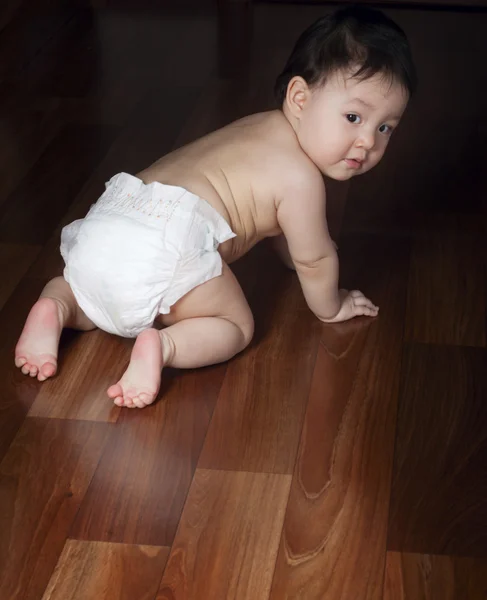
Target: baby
column 155, row 248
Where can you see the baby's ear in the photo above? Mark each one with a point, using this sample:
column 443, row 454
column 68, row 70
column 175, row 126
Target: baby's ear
column 297, row 94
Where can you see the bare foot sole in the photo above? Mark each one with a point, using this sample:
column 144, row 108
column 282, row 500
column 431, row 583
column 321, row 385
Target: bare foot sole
column 141, row 381
column 37, row 348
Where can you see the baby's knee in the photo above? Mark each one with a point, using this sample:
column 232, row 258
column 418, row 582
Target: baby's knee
column 247, row 329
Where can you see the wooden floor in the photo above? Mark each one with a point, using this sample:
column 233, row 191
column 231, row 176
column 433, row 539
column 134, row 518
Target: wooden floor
column 325, row 462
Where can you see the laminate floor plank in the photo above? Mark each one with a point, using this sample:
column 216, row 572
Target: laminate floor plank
column 336, row 519
column 25, row 133
column 139, row 489
column 430, row 577
column 88, row 570
column 89, row 363
column 228, row 537
column 259, row 414
column 15, row 260
column 447, row 288
column 26, row 30
column 17, row 392
column 43, row 479
column 439, row 485
column 34, row 209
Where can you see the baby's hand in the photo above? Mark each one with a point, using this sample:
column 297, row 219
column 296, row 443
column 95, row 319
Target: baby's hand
column 354, row 304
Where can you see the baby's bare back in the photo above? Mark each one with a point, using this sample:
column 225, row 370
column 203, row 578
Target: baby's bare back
column 239, row 170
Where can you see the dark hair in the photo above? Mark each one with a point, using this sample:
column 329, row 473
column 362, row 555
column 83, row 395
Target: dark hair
column 355, row 35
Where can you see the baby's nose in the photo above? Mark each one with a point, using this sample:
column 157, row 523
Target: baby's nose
column 366, row 140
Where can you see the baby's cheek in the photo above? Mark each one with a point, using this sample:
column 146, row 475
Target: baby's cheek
column 378, row 154
column 372, row 161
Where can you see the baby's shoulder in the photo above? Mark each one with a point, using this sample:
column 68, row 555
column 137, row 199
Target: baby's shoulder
column 296, row 171
column 300, row 178
column 264, row 148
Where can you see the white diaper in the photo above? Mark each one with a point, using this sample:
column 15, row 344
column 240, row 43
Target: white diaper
column 139, row 250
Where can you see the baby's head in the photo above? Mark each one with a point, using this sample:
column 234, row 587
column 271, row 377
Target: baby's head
column 345, row 87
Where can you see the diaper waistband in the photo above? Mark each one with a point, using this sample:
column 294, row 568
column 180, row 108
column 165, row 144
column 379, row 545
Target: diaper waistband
column 156, row 203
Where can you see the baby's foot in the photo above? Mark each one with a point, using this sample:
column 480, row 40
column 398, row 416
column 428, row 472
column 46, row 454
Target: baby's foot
column 36, row 350
column 141, row 381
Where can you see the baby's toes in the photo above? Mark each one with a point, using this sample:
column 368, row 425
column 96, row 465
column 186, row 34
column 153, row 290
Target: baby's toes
column 115, row 392
column 128, row 401
column 29, row 369
column 20, row 361
column 47, row 370
column 142, row 400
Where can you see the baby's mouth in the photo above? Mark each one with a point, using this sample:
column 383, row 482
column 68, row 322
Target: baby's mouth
column 353, row 163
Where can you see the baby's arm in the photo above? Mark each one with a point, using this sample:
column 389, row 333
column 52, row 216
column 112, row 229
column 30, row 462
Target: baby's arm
column 302, row 217
column 280, row 245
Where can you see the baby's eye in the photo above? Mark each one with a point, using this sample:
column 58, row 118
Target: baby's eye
column 353, row 118
column 387, row 129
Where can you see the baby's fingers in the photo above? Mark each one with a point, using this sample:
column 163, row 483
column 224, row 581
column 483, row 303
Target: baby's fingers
column 356, row 294
column 363, row 306
column 367, row 311
column 363, row 301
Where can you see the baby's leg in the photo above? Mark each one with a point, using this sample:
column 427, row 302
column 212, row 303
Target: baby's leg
column 37, row 348
column 211, row 324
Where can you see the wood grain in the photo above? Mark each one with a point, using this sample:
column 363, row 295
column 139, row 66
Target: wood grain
column 8, row 10
column 447, row 287
column 336, row 521
column 34, row 209
column 15, row 260
column 258, row 417
column 88, row 570
column 429, row 577
column 25, row 133
column 439, row 486
column 123, row 51
column 27, row 27
column 17, row 392
column 43, row 479
column 235, row 21
column 228, row 537
column 88, row 364
column 140, row 486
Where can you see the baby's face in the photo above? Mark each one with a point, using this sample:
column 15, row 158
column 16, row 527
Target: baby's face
column 346, row 124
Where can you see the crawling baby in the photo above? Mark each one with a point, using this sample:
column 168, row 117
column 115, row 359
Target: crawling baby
column 156, row 247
